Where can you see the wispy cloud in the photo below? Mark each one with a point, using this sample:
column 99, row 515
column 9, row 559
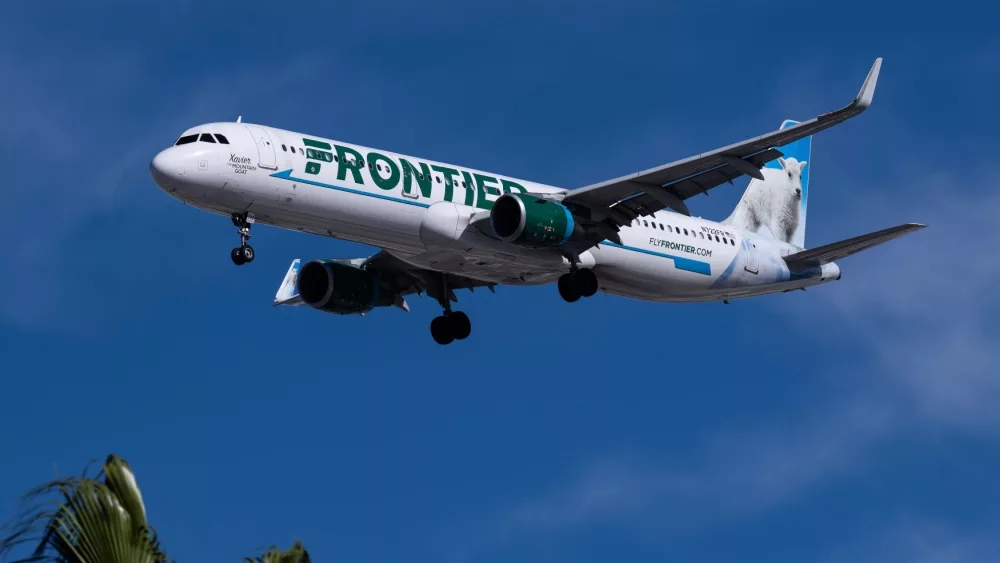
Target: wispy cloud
column 924, row 307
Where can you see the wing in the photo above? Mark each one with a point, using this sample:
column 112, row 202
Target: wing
column 403, row 279
column 621, row 200
column 842, row 249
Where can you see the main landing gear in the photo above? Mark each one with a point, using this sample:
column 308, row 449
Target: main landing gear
column 577, row 283
column 451, row 325
column 244, row 252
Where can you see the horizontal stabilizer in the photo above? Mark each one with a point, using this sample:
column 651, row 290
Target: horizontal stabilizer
column 288, row 292
column 837, row 250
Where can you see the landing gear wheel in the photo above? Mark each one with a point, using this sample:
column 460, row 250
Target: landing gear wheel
column 244, row 252
column 568, row 289
column 237, row 256
column 586, row 281
column 441, row 331
column 461, row 326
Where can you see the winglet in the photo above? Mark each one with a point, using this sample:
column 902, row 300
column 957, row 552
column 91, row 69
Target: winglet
column 864, row 98
column 288, row 293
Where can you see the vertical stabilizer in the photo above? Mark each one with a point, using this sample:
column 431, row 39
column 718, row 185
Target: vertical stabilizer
column 776, row 206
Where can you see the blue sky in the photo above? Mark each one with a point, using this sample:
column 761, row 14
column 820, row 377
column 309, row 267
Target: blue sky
column 853, row 422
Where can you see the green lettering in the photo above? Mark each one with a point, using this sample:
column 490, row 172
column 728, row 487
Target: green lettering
column 312, row 168
column 470, row 189
column 423, row 177
column 482, row 188
column 353, row 165
column 390, row 183
column 449, row 180
column 510, row 187
column 317, row 144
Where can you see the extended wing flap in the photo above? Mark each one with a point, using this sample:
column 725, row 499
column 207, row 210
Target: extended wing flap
column 837, row 250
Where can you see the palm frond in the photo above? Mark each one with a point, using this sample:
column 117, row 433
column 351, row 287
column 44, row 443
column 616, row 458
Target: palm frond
column 297, row 554
column 85, row 520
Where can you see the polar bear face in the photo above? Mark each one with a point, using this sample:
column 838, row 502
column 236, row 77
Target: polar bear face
column 793, row 170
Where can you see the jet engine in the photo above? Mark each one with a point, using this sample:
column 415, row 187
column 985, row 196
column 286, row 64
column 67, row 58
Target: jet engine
column 526, row 220
column 340, row 288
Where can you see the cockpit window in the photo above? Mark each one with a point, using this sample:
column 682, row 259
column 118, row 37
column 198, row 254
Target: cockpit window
column 205, row 137
column 222, row 139
column 186, row 139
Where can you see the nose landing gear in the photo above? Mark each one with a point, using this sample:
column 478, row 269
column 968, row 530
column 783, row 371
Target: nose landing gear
column 244, row 252
column 581, row 282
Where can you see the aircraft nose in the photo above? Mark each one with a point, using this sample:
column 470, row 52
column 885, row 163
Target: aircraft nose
column 166, row 169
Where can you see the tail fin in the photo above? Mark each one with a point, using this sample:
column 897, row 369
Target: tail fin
column 776, row 205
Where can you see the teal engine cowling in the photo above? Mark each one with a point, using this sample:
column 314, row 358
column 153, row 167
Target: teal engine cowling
column 340, row 288
column 526, row 220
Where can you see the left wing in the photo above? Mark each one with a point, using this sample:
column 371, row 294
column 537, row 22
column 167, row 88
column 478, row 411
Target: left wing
column 397, row 278
column 623, row 199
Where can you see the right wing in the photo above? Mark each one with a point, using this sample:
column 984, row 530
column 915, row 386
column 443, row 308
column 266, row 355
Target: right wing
column 621, row 200
column 837, row 250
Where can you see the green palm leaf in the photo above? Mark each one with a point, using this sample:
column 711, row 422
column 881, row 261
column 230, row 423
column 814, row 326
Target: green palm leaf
column 86, row 520
column 297, row 554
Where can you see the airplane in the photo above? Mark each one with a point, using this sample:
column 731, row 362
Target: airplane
column 443, row 227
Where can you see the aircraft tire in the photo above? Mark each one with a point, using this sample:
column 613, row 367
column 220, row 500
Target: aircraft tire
column 237, row 256
column 586, row 281
column 247, row 252
column 568, row 289
column 441, row 331
column 460, row 325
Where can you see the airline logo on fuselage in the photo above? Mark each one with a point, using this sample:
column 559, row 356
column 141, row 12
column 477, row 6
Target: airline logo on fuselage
column 698, row 251
column 408, row 175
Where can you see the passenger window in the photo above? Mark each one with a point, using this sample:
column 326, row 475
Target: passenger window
column 685, row 231
column 206, row 138
column 222, row 139
column 661, row 227
column 439, row 179
column 717, row 238
column 186, row 140
column 733, row 242
column 335, row 158
column 284, row 148
column 702, row 235
column 645, row 223
column 723, row 240
column 301, row 151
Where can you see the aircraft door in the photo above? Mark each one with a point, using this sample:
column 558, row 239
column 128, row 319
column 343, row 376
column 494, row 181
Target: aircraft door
column 751, row 258
column 265, row 149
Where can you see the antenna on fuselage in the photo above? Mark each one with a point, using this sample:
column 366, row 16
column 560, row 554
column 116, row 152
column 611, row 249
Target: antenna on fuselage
column 239, row 119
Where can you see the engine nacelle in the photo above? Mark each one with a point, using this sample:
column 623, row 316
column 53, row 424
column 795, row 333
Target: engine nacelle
column 526, row 220
column 340, row 288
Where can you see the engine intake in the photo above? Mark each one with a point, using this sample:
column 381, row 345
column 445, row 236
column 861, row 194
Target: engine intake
column 339, row 288
column 526, row 220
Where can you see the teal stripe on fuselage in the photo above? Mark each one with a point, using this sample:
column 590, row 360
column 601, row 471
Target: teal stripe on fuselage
column 287, row 175
column 681, row 263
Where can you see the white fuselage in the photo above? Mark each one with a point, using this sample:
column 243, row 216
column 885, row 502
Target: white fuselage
column 419, row 211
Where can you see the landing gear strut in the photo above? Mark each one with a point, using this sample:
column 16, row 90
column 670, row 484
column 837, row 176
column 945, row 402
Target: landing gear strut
column 244, row 252
column 451, row 325
column 579, row 282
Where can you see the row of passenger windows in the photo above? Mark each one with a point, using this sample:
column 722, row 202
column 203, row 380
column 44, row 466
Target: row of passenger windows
column 692, row 233
column 204, row 138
